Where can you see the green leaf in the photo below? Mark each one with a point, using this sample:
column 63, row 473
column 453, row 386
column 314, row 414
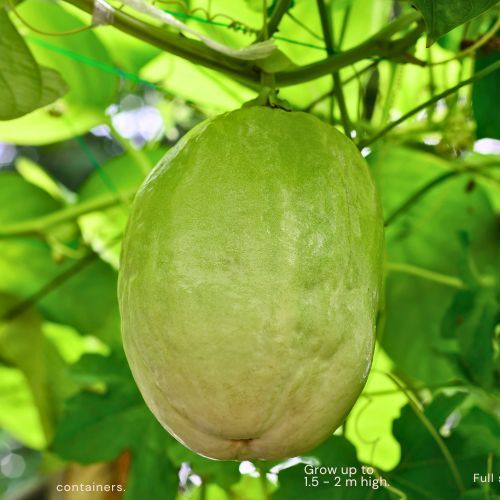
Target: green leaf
column 471, row 319
column 251, row 488
column 442, row 16
column 152, row 474
column 24, row 85
column 423, row 470
column 80, row 59
column 99, row 425
column 488, row 123
column 18, row 412
column 426, row 236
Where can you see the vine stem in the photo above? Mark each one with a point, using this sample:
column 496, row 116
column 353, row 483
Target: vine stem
column 478, row 76
column 41, row 224
column 337, row 84
column 419, row 412
column 356, row 75
column 379, row 45
column 265, row 30
column 442, row 279
column 246, row 72
column 430, row 387
column 271, row 25
column 187, row 48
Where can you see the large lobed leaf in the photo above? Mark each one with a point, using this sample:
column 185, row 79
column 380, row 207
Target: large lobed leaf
column 427, row 236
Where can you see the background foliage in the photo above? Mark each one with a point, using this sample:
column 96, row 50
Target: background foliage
column 85, row 115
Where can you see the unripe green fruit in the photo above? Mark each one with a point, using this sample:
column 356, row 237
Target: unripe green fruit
column 250, row 277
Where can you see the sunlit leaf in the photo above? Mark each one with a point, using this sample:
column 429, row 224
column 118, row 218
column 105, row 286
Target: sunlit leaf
column 183, row 79
column 23, row 346
column 369, row 425
column 18, row 412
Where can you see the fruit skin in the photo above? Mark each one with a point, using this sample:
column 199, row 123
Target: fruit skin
column 249, row 284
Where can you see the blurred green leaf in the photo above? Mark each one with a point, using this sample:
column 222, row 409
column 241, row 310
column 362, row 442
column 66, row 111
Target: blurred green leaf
column 128, row 53
column 251, row 488
column 183, row 79
column 24, row 85
column 488, row 123
column 86, row 300
column 70, row 344
column 427, row 236
column 442, row 16
column 116, row 176
column 21, row 200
